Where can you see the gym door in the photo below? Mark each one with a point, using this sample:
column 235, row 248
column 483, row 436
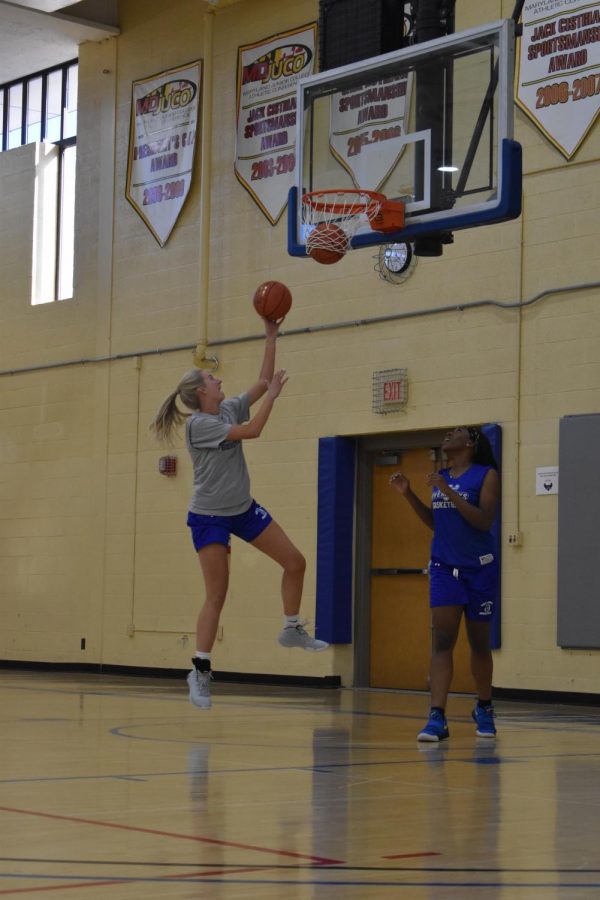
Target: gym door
column 399, row 609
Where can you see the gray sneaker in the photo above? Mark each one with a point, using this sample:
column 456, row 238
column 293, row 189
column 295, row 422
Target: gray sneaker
column 199, row 685
column 297, row 636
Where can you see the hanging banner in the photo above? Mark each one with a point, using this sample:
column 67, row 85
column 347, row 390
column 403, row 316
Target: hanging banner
column 367, row 128
column 558, row 78
column 268, row 73
column 162, row 140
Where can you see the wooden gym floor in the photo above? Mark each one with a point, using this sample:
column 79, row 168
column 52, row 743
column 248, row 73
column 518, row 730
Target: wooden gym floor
column 115, row 787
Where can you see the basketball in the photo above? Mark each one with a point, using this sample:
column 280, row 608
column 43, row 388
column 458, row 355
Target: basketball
column 327, row 243
column 272, row 300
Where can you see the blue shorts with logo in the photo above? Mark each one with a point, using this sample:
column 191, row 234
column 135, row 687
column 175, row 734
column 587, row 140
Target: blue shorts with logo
column 474, row 588
column 218, row 529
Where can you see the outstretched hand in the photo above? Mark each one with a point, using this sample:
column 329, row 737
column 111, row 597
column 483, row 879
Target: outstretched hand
column 400, row 482
column 277, row 382
column 272, row 328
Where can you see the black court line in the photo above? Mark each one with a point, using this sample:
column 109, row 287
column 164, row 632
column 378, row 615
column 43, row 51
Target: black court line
column 464, row 885
column 321, row 768
column 536, row 721
column 480, row 870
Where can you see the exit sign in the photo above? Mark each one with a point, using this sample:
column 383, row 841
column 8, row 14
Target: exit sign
column 393, row 391
column 390, row 390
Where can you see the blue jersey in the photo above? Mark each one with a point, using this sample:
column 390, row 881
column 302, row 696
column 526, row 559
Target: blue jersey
column 455, row 542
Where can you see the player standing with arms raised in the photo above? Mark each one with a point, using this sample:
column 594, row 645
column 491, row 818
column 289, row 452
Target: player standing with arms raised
column 463, row 570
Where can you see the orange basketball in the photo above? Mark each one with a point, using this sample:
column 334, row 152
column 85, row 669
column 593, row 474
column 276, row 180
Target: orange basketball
column 272, row 300
column 327, row 243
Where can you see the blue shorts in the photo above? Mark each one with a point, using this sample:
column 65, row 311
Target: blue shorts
column 218, row 529
column 475, row 589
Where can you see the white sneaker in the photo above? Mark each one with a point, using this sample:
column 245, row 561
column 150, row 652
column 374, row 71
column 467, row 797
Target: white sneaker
column 297, row 636
column 199, row 685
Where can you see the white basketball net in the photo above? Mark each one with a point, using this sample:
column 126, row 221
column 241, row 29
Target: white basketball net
column 348, row 210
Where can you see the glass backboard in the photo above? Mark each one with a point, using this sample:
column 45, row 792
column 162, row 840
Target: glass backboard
column 430, row 125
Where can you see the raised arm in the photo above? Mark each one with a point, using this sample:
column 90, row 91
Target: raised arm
column 259, row 388
column 401, row 483
column 253, row 428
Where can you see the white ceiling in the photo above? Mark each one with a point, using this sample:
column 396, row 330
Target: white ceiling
column 38, row 34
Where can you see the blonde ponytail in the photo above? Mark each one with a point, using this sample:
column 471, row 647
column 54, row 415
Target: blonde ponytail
column 169, row 417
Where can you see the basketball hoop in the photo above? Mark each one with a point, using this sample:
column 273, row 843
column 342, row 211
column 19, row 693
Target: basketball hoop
column 332, row 218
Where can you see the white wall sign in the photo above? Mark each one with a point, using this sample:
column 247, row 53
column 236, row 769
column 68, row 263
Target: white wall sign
column 367, row 129
column 558, row 78
column 162, row 140
column 546, row 480
column 268, row 73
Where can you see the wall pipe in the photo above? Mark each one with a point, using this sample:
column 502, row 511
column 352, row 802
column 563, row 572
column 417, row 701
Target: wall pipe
column 314, row 329
column 201, row 357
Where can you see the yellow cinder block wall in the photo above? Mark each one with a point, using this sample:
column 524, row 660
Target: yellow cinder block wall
column 93, row 540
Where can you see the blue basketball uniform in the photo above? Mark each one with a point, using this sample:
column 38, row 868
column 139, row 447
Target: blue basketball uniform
column 218, row 529
column 463, row 569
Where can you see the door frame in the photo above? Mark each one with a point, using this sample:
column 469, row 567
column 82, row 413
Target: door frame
column 368, row 448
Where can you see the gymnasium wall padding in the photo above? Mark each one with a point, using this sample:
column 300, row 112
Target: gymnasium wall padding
column 578, row 580
column 335, row 539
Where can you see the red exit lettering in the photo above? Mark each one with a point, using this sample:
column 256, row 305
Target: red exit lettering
column 392, row 390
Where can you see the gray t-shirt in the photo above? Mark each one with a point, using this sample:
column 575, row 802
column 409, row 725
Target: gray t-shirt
column 221, row 480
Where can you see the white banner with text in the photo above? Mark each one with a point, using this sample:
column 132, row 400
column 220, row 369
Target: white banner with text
column 162, row 140
column 558, row 78
column 267, row 77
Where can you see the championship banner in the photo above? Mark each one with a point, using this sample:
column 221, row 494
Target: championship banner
column 558, row 78
column 267, row 76
column 367, row 128
column 162, row 140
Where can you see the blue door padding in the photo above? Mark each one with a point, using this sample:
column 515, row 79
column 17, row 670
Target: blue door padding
column 335, row 538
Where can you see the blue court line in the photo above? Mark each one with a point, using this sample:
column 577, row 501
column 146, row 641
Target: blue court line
column 480, row 750
column 223, row 701
column 129, row 777
column 166, row 880
column 144, row 776
column 320, row 768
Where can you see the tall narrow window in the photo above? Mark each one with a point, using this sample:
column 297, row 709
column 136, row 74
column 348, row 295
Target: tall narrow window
column 53, row 106
column 42, row 108
column 66, row 224
column 15, row 116
column 70, row 107
column 45, row 206
column 34, row 110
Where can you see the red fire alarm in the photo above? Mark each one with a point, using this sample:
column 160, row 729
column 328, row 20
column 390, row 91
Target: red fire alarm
column 167, row 465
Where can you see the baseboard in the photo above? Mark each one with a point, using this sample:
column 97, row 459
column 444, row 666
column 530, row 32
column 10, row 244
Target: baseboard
column 557, row 697
column 522, row 695
column 326, row 681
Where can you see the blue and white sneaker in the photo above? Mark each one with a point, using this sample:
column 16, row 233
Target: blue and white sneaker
column 436, row 728
column 484, row 716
